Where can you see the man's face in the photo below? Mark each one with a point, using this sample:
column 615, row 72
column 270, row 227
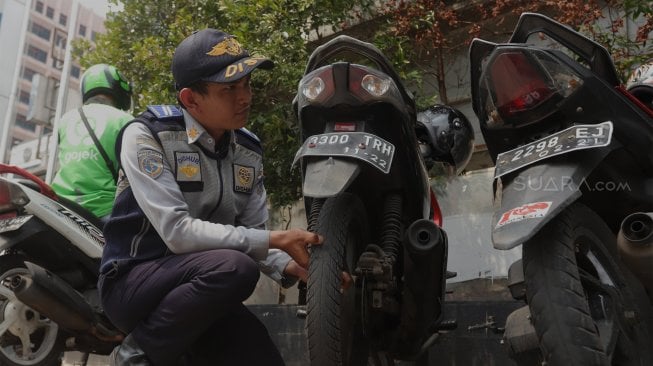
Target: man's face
column 225, row 106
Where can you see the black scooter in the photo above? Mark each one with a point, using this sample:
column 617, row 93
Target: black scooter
column 574, row 170
column 366, row 190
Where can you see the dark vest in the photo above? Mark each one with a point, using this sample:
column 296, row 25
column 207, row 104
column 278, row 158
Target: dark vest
column 130, row 237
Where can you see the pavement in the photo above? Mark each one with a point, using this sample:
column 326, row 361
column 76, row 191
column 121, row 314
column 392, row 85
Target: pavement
column 480, row 307
column 77, row 359
column 267, row 292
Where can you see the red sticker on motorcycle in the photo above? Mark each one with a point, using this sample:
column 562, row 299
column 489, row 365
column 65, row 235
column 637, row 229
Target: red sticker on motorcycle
column 527, row 211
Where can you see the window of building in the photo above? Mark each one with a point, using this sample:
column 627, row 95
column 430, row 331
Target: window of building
column 28, row 73
column 93, row 35
column 41, row 31
column 74, row 71
column 21, row 121
column 82, row 30
column 39, row 6
column 49, row 12
column 23, row 97
column 63, row 19
column 60, row 40
column 37, row 53
column 15, row 141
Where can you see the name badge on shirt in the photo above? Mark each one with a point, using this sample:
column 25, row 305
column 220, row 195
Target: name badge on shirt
column 243, row 178
column 188, row 167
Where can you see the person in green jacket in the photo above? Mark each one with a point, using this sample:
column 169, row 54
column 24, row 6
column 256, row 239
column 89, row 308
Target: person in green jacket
column 87, row 163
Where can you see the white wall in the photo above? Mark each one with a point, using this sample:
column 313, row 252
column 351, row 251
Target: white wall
column 12, row 23
column 466, row 204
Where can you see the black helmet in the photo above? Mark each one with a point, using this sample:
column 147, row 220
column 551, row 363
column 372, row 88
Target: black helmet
column 640, row 83
column 106, row 79
column 447, row 136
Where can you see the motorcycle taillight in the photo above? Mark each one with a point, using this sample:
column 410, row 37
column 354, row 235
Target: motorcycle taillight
column 369, row 84
column 318, row 85
column 7, row 207
column 363, row 82
column 518, row 85
column 519, row 81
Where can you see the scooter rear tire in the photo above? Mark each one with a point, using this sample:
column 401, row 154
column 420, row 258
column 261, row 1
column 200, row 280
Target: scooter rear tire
column 570, row 266
column 333, row 322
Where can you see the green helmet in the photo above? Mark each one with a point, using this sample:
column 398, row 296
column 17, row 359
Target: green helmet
column 106, row 79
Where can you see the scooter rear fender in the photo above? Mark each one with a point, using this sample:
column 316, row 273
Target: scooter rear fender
column 329, row 176
column 535, row 195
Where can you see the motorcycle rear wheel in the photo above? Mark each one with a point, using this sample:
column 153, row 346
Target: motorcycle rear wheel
column 579, row 296
column 22, row 327
column 333, row 321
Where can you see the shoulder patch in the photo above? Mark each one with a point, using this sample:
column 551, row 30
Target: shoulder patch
column 164, row 112
column 249, row 140
column 150, row 162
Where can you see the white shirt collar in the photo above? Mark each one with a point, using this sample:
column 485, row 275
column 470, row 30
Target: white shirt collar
column 194, row 130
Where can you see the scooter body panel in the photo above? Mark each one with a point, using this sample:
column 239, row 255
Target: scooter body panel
column 536, row 194
column 88, row 238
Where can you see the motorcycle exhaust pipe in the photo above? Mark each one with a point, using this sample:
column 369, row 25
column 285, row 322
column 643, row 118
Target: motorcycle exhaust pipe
column 425, row 259
column 635, row 246
column 51, row 296
column 423, row 237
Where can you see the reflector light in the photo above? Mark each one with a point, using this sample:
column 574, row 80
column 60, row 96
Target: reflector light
column 344, row 127
column 375, row 85
column 8, row 215
column 313, row 88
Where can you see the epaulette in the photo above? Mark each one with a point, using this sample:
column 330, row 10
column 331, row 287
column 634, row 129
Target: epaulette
column 249, row 140
column 157, row 118
column 165, row 112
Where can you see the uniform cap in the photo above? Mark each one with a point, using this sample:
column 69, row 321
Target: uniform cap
column 215, row 56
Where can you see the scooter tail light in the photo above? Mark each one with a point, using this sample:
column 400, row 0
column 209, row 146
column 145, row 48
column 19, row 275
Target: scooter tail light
column 518, row 86
column 518, row 82
column 367, row 84
column 7, row 207
column 375, row 85
column 313, row 88
column 5, row 195
column 318, row 85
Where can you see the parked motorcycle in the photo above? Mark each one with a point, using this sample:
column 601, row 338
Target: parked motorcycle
column 50, row 255
column 574, row 170
column 366, row 190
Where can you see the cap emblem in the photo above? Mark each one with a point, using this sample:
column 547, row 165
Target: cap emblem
column 227, row 46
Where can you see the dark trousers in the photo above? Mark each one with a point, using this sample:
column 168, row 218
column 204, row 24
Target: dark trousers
column 187, row 309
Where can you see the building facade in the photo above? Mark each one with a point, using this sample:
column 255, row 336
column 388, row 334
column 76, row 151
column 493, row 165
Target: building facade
column 41, row 40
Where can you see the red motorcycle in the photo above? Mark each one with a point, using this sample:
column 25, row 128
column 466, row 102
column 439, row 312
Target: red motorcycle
column 49, row 262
